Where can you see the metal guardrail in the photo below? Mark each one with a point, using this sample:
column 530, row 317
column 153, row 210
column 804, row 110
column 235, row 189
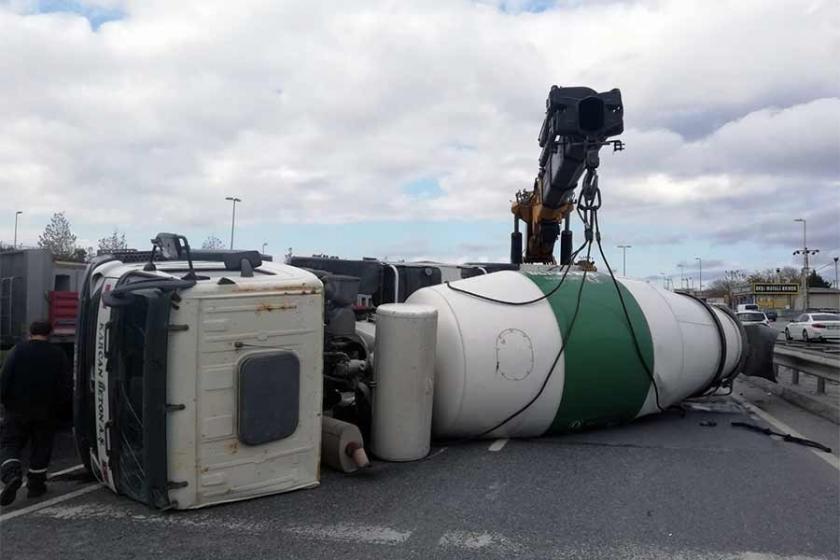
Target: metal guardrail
column 814, row 347
column 825, row 367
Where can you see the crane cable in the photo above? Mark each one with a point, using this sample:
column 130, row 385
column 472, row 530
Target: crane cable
column 629, row 322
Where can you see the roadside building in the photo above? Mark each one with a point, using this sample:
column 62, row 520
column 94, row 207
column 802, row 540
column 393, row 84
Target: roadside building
column 787, row 296
column 778, row 296
column 820, row 298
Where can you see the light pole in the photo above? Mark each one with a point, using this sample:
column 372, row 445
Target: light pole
column 700, row 279
column 805, row 252
column 682, row 274
column 263, row 248
column 234, row 200
column 624, row 258
column 14, row 243
column 836, row 284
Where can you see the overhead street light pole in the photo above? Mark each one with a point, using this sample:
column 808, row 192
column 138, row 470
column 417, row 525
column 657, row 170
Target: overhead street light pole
column 14, row 243
column 805, row 252
column 624, row 258
column 836, row 283
column 263, row 248
column 234, row 200
column 682, row 274
column 700, row 279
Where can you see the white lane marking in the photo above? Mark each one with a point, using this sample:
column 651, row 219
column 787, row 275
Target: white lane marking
column 65, row 471
column 781, row 426
column 351, row 532
column 498, row 444
column 486, row 542
column 50, row 476
column 48, row 503
column 131, row 512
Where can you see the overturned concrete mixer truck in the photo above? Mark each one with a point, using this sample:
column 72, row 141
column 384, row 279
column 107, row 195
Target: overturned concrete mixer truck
column 206, row 377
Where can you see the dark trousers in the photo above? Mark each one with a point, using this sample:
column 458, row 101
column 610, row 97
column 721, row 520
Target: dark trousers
column 18, row 430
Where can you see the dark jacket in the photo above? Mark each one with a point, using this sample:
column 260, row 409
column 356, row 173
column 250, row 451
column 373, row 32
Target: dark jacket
column 35, row 379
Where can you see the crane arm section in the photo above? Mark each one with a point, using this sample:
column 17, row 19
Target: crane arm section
column 577, row 123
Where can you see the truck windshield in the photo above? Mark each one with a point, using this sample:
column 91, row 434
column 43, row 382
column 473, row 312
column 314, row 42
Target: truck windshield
column 129, row 331
column 138, row 390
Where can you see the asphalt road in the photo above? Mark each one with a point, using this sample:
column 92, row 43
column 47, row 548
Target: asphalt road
column 662, row 487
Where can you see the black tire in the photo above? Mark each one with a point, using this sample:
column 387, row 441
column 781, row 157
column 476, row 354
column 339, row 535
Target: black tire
column 787, row 335
column 805, row 336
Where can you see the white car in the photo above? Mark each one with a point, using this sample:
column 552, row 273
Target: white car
column 753, row 318
column 814, row 326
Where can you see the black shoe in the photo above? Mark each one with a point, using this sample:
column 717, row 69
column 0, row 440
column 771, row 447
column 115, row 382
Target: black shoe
column 7, row 496
column 35, row 490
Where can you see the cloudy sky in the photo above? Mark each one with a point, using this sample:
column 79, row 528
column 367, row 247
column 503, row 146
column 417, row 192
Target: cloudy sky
column 403, row 129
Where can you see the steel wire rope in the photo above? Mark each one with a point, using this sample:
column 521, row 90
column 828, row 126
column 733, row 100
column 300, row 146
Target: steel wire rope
column 627, row 315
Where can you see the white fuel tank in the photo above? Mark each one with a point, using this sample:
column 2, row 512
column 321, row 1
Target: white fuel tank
column 492, row 359
column 404, row 368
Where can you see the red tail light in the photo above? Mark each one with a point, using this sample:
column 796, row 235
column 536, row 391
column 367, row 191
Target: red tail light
column 818, row 326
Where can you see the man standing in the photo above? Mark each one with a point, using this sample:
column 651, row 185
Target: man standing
column 32, row 385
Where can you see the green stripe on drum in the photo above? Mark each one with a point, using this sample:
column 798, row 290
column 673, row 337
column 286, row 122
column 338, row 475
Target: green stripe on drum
column 605, row 382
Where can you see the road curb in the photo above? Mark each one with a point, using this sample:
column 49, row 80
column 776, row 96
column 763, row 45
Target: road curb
column 797, row 397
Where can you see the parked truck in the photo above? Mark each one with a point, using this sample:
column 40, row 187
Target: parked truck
column 34, row 285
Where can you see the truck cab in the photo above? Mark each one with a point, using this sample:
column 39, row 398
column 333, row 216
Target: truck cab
column 198, row 377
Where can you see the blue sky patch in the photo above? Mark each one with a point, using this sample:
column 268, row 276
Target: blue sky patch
column 532, row 6
column 426, row 187
column 96, row 15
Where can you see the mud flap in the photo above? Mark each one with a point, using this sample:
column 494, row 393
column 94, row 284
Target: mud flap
column 761, row 340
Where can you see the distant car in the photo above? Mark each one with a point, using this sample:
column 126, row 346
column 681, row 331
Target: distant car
column 747, row 307
column 753, row 318
column 814, row 326
column 771, row 316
